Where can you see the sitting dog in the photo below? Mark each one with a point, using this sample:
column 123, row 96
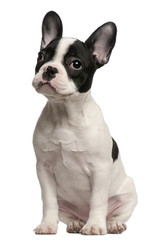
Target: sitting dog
column 82, row 179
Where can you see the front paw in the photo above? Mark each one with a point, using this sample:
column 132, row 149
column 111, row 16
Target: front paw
column 94, row 229
column 46, row 228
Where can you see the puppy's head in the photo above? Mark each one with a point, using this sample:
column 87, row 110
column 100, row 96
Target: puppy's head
column 65, row 66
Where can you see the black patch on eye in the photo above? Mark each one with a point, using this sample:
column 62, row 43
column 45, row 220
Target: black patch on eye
column 49, row 53
column 82, row 78
column 115, row 150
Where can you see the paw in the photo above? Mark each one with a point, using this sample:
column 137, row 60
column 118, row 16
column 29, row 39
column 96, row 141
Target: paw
column 116, row 227
column 93, row 229
column 75, row 226
column 46, row 228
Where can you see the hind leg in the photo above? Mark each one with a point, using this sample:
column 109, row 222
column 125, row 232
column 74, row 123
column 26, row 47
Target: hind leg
column 74, row 225
column 121, row 208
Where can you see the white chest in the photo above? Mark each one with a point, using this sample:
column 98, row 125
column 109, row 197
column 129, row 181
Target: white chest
column 72, row 173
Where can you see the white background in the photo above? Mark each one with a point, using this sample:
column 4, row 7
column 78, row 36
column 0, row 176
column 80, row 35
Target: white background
column 123, row 88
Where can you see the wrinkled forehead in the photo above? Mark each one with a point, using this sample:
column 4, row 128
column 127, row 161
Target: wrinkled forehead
column 60, row 48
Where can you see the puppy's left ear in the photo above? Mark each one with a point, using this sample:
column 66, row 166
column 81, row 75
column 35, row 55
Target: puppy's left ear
column 101, row 43
column 52, row 28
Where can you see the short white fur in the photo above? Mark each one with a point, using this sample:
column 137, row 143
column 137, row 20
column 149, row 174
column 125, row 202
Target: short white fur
column 76, row 172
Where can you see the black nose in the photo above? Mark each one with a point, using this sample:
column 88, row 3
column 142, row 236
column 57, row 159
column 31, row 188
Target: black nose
column 49, row 73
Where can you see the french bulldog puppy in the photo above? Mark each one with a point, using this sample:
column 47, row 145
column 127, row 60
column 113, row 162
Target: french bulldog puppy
column 82, row 179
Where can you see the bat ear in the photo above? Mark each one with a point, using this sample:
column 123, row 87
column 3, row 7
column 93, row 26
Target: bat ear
column 51, row 28
column 101, row 42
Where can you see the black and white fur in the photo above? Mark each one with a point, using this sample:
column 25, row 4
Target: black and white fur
column 81, row 175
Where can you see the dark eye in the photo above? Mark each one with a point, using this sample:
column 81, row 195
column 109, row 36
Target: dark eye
column 76, row 65
column 40, row 57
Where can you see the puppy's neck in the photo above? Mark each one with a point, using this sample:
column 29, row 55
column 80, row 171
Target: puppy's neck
column 71, row 109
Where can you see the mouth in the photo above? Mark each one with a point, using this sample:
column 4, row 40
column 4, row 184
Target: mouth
column 53, row 89
column 45, row 87
column 40, row 84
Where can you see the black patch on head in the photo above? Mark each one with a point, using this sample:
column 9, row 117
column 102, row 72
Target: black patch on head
column 48, row 52
column 115, row 151
column 80, row 54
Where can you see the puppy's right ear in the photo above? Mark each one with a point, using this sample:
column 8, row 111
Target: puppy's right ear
column 51, row 28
